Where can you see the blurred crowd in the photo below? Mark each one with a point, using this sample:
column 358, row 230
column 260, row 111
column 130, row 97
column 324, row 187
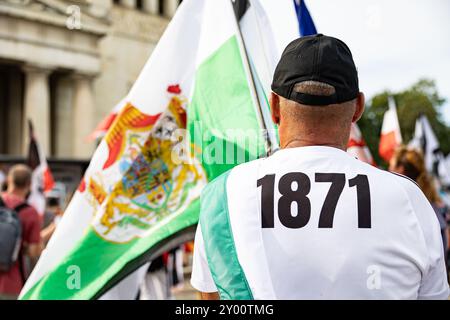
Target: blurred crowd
column 163, row 278
column 166, row 273
column 410, row 163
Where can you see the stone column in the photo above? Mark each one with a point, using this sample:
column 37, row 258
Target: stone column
column 129, row 3
column 170, row 6
column 83, row 114
column 63, row 114
column 151, row 6
column 37, row 106
column 15, row 114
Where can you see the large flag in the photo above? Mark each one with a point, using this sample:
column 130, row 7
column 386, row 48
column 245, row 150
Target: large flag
column 391, row 137
column 305, row 22
column 357, row 145
column 425, row 140
column 140, row 193
column 42, row 178
column 265, row 37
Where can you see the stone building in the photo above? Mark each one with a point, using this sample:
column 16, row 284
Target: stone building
column 65, row 64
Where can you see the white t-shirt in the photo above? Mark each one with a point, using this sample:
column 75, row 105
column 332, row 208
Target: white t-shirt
column 328, row 227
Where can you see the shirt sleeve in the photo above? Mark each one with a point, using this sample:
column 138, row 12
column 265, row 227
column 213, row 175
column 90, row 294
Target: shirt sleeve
column 434, row 283
column 201, row 278
column 31, row 226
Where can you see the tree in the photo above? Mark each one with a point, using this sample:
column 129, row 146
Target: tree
column 421, row 98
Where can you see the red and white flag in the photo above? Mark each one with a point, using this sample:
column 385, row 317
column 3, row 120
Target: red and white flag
column 42, row 178
column 391, row 137
column 357, row 146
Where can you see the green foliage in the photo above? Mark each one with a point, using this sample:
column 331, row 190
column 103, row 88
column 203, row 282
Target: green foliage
column 420, row 98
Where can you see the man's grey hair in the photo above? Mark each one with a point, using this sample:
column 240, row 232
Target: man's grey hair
column 315, row 88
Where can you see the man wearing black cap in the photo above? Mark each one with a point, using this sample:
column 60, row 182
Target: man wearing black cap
column 310, row 221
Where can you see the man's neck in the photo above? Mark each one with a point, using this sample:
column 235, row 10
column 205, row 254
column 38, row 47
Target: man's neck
column 17, row 193
column 297, row 143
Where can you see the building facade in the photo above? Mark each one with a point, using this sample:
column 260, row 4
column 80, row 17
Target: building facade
column 65, row 65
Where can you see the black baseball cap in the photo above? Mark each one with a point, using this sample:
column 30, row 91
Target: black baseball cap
column 316, row 58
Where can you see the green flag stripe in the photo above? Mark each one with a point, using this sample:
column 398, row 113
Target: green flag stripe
column 96, row 261
column 220, row 249
column 222, row 120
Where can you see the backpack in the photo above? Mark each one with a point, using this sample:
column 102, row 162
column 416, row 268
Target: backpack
column 10, row 235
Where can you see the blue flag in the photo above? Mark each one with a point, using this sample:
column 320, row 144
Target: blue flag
column 305, row 22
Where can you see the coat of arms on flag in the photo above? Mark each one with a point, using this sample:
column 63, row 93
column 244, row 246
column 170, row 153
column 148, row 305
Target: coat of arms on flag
column 153, row 186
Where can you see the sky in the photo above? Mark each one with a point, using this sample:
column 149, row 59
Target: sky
column 394, row 42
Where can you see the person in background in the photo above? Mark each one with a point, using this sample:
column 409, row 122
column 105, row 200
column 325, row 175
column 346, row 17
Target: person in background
column 411, row 163
column 19, row 183
column 52, row 215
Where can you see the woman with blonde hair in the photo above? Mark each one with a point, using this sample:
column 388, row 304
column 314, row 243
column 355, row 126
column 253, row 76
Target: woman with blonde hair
column 410, row 162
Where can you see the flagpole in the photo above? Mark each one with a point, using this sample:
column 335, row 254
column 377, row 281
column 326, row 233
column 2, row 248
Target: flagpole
column 268, row 143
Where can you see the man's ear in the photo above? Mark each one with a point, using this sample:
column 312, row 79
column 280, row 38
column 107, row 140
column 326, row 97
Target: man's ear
column 360, row 105
column 275, row 107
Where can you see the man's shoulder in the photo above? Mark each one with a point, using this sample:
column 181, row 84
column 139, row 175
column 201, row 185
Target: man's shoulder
column 12, row 201
column 397, row 188
column 217, row 188
column 247, row 168
column 29, row 212
column 395, row 180
column 216, row 182
column 242, row 169
column 388, row 183
column 8, row 200
column 26, row 212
